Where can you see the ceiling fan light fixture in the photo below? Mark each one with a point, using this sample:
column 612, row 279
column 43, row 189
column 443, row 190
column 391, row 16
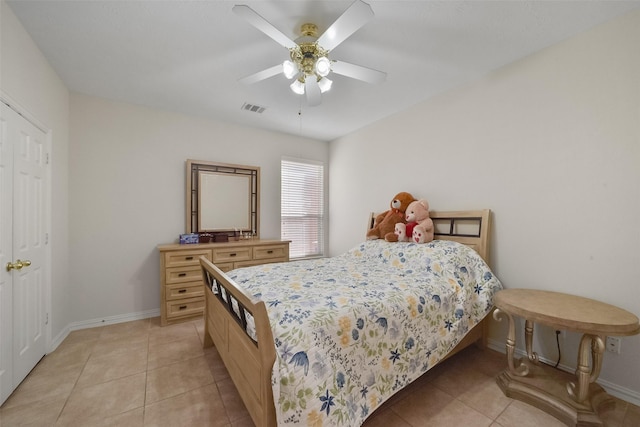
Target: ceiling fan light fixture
column 297, row 87
column 309, row 64
column 325, row 84
column 323, row 66
column 289, row 69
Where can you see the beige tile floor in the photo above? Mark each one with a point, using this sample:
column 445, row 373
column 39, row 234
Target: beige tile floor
column 140, row 374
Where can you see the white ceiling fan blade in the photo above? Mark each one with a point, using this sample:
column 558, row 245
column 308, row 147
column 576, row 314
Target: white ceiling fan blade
column 358, row 14
column 312, row 90
column 263, row 25
column 365, row 74
column 261, row 75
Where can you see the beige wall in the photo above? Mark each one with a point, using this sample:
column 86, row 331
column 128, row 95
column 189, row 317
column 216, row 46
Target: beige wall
column 127, row 186
column 27, row 78
column 552, row 145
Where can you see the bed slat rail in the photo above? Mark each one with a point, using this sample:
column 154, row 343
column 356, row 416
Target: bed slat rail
column 452, row 227
column 220, row 292
column 249, row 359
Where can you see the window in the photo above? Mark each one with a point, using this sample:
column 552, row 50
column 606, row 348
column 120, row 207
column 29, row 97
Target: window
column 302, row 207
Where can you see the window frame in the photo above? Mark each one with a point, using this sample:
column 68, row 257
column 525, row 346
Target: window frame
column 316, row 218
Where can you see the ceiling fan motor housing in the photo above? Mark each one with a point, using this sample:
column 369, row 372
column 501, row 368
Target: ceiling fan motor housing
column 306, row 53
column 309, row 30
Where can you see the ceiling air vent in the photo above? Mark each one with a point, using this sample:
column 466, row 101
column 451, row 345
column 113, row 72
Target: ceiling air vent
column 254, row 108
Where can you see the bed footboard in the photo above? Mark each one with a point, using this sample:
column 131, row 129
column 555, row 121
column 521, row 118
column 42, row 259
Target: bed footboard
column 238, row 326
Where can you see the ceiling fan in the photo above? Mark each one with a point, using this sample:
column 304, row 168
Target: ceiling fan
column 309, row 61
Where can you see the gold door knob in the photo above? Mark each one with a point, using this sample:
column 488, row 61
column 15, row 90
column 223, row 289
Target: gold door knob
column 18, row 265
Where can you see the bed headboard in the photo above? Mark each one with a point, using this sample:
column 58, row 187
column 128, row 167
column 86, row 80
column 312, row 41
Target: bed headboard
column 470, row 228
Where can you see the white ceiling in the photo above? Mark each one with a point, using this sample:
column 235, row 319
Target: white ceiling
column 187, row 56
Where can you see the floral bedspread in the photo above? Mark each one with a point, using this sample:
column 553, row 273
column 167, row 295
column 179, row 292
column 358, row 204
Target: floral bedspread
column 352, row 330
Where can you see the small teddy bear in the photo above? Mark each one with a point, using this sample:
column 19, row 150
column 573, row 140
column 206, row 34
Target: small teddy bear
column 418, row 211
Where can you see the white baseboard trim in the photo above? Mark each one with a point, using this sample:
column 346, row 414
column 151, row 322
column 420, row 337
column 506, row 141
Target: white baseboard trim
column 111, row 320
column 621, row 393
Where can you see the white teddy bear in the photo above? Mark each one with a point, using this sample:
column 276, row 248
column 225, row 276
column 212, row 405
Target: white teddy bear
column 418, row 212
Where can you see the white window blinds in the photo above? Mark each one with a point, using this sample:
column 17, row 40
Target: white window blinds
column 302, row 207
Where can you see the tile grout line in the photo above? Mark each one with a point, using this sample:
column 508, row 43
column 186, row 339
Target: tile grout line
column 146, row 377
column 75, row 384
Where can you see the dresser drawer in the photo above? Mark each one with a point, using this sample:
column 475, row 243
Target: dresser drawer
column 242, row 264
column 269, row 252
column 185, row 307
column 185, row 258
column 184, row 290
column 231, row 254
column 183, row 274
column 225, row 266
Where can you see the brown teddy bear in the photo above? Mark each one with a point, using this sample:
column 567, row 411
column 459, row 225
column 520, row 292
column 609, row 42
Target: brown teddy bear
column 384, row 225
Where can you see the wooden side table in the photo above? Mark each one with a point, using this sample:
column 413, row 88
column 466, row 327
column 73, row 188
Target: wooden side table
column 579, row 402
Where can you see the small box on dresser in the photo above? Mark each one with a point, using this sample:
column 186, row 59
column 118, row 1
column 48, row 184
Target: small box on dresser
column 181, row 285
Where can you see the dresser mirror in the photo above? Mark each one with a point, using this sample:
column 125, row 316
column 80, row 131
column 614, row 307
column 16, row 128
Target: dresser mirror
column 222, row 198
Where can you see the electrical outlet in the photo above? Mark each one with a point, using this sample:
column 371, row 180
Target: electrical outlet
column 613, row 344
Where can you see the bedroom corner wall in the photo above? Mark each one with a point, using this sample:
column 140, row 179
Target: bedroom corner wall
column 551, row 144
column 28, row 79
column 128, row 183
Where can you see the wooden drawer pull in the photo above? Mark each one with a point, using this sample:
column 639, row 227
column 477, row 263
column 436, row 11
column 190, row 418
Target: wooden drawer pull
column 182, row 274
column 232, row 254
column 182, row 307
column 270, row 252
column 188, row 258
column 182, row 291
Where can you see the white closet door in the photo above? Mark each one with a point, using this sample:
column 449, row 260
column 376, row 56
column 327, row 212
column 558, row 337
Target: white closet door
column 6, row 255
column 22, row 246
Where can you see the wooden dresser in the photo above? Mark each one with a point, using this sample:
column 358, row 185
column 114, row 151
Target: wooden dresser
column 181, row 285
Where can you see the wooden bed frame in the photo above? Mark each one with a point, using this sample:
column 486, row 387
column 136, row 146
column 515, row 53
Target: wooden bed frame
column 250, row 361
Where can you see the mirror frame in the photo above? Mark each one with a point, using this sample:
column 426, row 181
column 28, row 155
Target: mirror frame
column 193, row 202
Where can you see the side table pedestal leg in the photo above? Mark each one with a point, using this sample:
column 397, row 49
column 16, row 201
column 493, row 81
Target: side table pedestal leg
column 528, row 341
column 590, row 345
column 522, row 369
